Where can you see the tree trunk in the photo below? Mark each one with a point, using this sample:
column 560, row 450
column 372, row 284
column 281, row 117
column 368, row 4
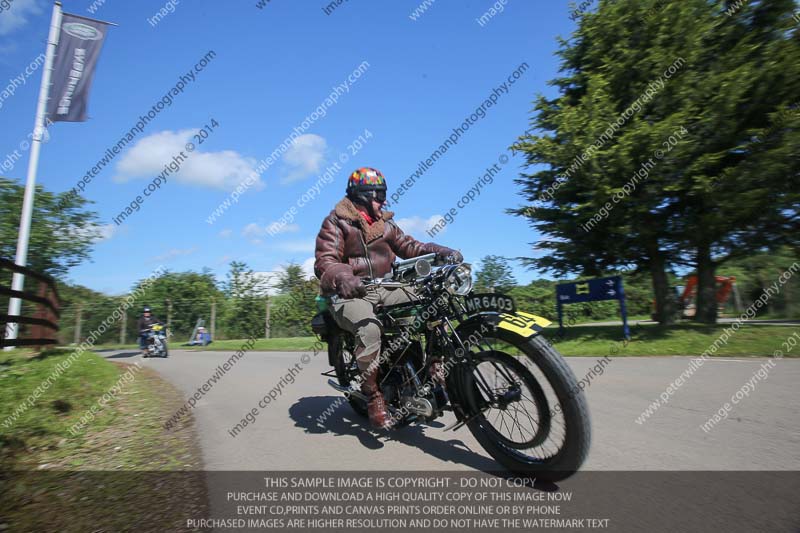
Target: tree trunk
column 706, row 312
column 665, row 308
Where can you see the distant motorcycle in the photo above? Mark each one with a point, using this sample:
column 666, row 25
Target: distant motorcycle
column 450, row 349
column 156, row 341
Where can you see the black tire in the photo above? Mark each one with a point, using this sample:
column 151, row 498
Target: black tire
column 563, row 384
column 346, row 368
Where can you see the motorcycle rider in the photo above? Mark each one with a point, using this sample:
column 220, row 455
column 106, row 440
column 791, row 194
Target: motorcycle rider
column 145, row 321
column 358, row 239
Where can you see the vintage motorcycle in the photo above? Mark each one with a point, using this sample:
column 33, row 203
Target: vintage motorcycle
column 156, row 341
column 450, row 349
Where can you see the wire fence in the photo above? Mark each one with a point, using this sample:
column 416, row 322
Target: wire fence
column 229, row 318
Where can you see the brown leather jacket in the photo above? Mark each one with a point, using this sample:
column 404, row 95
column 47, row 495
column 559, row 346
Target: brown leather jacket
column 347, row 245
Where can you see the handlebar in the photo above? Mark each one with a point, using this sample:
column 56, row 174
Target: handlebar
column 406, row 272
column 410, row 263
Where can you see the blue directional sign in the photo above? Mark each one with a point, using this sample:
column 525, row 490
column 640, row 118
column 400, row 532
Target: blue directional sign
column 592, row 290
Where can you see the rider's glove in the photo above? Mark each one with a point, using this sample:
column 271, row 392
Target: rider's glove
column 448, row 255
column 349, row 287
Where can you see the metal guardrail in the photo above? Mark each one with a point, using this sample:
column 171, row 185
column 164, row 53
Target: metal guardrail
column 44, row 321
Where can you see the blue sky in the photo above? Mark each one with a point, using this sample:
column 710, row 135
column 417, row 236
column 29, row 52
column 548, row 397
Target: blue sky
column 272, row 68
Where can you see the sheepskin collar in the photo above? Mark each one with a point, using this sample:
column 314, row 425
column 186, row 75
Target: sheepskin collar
column 347, row 211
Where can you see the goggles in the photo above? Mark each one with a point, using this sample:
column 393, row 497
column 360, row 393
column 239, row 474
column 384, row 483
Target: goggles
column 379, row 196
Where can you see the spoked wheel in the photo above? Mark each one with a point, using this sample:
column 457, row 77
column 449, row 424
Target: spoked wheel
column 527, row 410
column 347, row 369
column 513, row 401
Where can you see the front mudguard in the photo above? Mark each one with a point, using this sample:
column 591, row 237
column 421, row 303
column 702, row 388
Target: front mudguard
column 520, row 323
column 470, row 331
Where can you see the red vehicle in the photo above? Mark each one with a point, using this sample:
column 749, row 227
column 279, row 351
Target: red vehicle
column 687, row 295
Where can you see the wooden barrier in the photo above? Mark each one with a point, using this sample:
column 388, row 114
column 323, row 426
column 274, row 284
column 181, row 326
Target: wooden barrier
column 44, row 321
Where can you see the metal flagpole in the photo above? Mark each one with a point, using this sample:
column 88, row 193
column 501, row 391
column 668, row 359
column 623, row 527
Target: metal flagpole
column 18, row 281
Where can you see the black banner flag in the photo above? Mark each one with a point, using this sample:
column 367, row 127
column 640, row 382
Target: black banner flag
column 76, row 58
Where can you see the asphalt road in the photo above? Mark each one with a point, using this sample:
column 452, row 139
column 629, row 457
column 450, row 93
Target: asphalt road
column 761, row 433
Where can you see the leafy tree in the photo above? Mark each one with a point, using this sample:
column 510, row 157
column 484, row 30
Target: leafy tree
column 740, row 190
column 292, row 276
column 190, row 295
column 495, row 274
column 245, row 310
column 62, row 230
column 758, row 272
column 728, row 77
column 538, row 297
column 292, row 311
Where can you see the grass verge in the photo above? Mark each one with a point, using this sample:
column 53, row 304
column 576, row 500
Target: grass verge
column 679, row 339
column 120, row 471
column 646, row 340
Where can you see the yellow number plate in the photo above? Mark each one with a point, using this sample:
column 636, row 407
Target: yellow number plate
column 524, row 324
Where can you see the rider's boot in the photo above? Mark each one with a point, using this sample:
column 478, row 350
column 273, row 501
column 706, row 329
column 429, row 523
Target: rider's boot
column 376, row 405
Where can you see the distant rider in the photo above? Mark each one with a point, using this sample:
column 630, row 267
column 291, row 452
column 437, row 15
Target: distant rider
column 145, row 322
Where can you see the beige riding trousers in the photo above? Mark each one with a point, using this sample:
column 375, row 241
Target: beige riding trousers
column 357, row 316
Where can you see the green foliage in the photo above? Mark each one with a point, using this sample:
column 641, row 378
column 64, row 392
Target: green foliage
column 755, row 273
column 292, row 312
column 189, row 293
column 245, row 307
column 728, row 187
column 495, row 274
column 291, row 277
column 539, row 298
column 62, row 230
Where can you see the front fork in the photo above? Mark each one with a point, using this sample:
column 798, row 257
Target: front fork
column 462, row 377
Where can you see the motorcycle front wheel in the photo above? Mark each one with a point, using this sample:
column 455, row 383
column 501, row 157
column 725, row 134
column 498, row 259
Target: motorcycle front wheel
column 525, row 406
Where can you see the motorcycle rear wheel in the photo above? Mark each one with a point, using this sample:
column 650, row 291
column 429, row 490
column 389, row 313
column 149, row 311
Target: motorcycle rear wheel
column 346, row 370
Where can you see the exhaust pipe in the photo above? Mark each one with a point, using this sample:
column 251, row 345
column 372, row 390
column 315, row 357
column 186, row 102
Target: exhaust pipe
column 347, row 391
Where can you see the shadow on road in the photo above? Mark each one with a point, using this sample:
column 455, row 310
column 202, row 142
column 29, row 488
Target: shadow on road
column 344, row 421
column 123, row 355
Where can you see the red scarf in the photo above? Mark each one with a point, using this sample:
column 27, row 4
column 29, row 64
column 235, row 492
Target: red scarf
column 366, row 217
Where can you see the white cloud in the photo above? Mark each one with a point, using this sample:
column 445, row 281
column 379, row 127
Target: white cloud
column 264, row 282
column 253, row 231
column 271, row 277
column 173, row 253
column 256, row 232
column 225, row 233
column 417, row 226
column 304, row 157
column 308, row 266
column 218, row 170
column 16, row 15
column 287, row 228
column 95, row 232
column 268, row 281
